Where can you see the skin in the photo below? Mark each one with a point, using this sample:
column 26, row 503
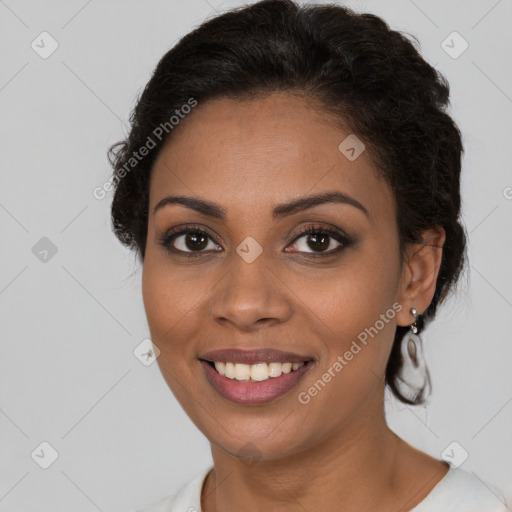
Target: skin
column 285, row 456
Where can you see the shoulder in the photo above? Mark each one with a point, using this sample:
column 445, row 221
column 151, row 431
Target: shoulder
column 460, row 491
column 187, row 499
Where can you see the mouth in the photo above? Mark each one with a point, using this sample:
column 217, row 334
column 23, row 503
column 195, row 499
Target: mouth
column 256, row 376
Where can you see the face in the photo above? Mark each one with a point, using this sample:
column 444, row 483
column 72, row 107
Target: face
column 241, row 275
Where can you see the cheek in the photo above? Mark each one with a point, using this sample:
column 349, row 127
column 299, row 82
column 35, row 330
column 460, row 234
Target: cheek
column 361, row 289
column 170, row 305
column 357, row 344
column 358, row 307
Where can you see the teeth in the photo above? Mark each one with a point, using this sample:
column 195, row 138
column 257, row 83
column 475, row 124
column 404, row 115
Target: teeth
column 259, row 371
column 229, row 371
column 242, row 372
column 255, row 372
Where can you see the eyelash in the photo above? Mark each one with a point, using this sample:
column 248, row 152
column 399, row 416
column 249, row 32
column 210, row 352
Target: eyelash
column 167, row 238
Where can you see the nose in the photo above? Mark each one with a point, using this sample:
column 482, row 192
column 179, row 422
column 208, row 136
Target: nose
column 251, row 295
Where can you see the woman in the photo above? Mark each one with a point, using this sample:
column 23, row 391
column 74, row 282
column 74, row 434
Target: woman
column 291, row 185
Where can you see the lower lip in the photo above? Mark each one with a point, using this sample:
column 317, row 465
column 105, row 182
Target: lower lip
column 251, row 392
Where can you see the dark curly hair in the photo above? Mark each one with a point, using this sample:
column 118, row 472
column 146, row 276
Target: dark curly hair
column 369, row 77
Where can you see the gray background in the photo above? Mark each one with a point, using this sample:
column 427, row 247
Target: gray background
column 69, row 325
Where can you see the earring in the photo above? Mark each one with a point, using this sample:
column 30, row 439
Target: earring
column 414, row 327
column 413, row 379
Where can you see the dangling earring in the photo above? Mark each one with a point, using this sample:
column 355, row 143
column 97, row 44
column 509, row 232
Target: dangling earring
column 413, row 380
column 414, row 327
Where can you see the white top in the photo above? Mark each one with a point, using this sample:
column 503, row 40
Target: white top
column 457, row 491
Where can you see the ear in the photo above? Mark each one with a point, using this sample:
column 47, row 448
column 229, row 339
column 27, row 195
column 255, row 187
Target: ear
column 421, row 265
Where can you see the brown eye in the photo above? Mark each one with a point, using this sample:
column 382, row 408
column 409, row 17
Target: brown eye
column 320, row 241
column 191, row 241
column 188, row 241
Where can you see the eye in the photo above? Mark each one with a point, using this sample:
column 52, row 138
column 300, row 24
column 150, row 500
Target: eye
column 321, row 240
column 189, row 241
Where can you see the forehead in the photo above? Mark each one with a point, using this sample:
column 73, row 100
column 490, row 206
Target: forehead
column 249, row 155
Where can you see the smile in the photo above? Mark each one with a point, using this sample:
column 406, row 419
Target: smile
column 254, row 377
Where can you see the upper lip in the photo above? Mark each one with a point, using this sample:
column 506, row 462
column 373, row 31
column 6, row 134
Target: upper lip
column 262, row 355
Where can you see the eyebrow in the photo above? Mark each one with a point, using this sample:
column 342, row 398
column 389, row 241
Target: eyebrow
column 214, row 210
